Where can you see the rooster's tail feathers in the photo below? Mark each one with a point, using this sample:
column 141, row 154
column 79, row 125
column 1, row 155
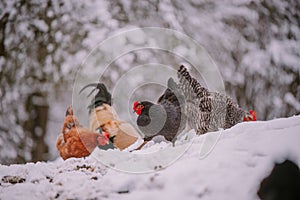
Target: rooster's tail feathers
column 103, row 95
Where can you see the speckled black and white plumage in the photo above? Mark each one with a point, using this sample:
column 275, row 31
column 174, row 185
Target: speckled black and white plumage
column 207, row 111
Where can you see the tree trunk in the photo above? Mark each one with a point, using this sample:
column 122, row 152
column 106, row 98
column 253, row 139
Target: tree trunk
column 36, row 125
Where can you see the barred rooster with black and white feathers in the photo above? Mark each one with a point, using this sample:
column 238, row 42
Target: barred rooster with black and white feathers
column 209, row 111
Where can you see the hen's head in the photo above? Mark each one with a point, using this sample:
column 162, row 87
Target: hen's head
column 251, row 116
column 103, row 139
column 138, row 107
column 69, row 111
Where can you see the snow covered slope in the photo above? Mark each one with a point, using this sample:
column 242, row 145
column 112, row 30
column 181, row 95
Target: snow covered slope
column 233, row 169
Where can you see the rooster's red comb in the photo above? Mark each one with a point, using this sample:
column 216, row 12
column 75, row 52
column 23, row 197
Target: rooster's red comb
column 135, row 104
column 105, row 134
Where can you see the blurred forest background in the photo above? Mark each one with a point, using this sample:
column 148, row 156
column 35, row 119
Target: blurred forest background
column 255, row 43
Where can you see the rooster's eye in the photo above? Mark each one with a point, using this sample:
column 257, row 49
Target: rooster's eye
column 140, row 107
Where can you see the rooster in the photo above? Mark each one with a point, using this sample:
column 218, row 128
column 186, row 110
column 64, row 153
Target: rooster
column 164, row 118
column 103, row 117
column 209, row 111
column 77, row 141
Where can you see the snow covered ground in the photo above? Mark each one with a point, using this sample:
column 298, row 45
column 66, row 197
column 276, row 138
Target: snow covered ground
column 233, row 169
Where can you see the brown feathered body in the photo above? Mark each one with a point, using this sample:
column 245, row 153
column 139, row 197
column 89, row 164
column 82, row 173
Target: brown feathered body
column 77, row 141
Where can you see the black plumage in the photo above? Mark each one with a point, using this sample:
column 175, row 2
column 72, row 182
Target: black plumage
column 102, row 96
column 164, row 118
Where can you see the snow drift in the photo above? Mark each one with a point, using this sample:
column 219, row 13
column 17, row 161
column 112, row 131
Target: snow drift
column 233, row 169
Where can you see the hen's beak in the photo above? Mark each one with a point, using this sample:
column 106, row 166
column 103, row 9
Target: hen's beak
column 250, row 117
column 106, row 135
column 107, row 142
column 246, row 117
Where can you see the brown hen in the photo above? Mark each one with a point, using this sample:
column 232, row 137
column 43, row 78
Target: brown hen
column 76, row 140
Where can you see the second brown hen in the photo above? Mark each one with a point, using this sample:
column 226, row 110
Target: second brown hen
column 76, row 140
